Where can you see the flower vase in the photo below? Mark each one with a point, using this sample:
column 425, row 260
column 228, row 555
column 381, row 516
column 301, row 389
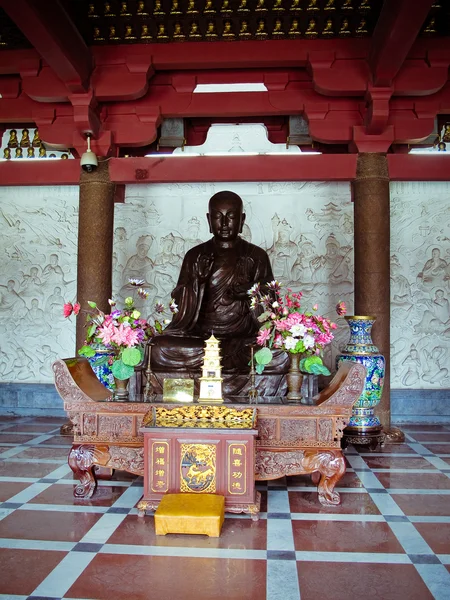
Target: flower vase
column 364, row 427
column 101, row 366
column 294, row 378
column 121, row 392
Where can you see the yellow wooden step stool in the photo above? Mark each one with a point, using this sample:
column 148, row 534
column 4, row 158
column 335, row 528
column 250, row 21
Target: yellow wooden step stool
column 190, row 513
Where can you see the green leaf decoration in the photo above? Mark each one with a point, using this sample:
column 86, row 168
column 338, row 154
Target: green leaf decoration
column 263, row 356
column 158, row 327
column 98, row 362
column 92, row 304
column 264, row 316
column 121, row 370
column 131, row 356
column 86, row 351
column 91, row 330
column 259, row 369
column 299, row 347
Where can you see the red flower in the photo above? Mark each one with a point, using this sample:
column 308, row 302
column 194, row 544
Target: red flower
column 76, row 308
column 341, row 309
column 68, row 309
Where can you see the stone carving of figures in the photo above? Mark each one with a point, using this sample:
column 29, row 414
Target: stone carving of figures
column 139, row 266
column 31, row 285
column 22, row 366
column 47, row 357
column 301, row 271
column 400, row 286
column 437, row 315
column 434, row 372
column 120, row 246
column 11, row 304
column 333, row 268
column 167, row 261
column 53, row 273
column 36, row 321
column 53, row 304
column 192, row 238
column 413, row 367
column 283, row 251
column 435, row 270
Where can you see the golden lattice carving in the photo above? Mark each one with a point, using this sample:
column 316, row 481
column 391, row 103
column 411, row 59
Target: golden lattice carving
column 195, row 415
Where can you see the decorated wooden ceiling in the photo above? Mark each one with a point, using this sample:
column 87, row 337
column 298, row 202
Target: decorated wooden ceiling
column 149, row 21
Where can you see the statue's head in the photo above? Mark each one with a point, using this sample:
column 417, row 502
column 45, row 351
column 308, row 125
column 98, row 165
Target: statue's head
column 226, row 216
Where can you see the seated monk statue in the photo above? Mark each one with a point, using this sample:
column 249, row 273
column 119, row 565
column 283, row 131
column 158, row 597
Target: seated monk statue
column 212, row 297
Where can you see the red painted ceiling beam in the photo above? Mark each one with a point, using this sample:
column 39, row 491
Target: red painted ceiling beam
column 50, row 30
column 395, row 33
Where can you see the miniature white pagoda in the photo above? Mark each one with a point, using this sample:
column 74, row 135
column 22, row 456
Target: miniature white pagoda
column 211, row 379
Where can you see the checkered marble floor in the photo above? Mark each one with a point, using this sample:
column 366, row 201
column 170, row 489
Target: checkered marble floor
column 389, row 539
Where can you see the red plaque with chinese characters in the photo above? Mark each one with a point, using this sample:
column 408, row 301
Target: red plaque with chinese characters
column 201, row 457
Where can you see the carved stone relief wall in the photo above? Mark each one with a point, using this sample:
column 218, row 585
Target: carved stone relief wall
column 420, row 284
column 306, row 228
column 38, row 271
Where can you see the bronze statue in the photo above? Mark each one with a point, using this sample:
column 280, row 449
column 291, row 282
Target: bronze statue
column 211, row 295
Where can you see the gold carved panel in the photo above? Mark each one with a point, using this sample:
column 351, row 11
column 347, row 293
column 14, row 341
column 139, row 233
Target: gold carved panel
column 198, row 468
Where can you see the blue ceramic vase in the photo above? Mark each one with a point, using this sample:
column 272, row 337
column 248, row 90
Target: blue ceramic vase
column 360, row 348
column 100, row 364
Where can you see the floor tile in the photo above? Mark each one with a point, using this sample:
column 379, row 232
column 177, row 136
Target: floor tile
column 35, row 565
column 344, row 536
column 423, row 504
column 236, row 533
column 25, row 469
column 8, row 490
column 403, row 481
column 47, row 525
column 438, row 448
column 163, row 578
column 63, row 494
column 16, row 438
column 349, row 480
column 59, row 440
column 339, row 581
column 432, row 437
column 39, row 452
column 437, row 536
column 308, row 502
column 34, row 427
column 425, row 428
column 390, row 449
column 397, row 462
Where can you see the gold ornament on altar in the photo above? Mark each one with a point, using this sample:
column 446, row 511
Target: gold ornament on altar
column 278, row 6
column 330, row 5
column 344, row 31
column 141, row 9
column 191, row 10
column 225, row 9
column 328, row 29
column 294, row 31
column 260, row 6
column 261, row 32
column 312, row 6
column 211, row 30
column 211, row 379
column 178, row 33
column 209, row 8
column 175, row 10
column 145, row 33
column 311, row 31
column 244, row 33
column 107, row 11
column 278, row 29
column 361, row 30
column 194, row 33
column 161, row 35
column 124, row 12
column 227, row 31
column 243, row 6
column 129, row 33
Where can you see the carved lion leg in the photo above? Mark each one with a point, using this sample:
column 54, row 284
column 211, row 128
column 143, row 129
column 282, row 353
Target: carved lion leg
column 81, row 461
column 331, row 466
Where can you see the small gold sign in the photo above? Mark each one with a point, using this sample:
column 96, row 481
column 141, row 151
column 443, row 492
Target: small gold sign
column 178, row 390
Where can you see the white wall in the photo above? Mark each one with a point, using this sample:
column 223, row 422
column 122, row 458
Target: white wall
column 293, row 221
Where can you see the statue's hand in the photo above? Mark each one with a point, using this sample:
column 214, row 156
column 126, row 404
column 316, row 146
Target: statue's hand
column 203, row 267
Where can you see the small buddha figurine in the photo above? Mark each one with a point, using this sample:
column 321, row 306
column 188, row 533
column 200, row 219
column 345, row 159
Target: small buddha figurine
column 260, row 6
column 244, row 33
column 344, row 31
column 294, row 31
column 175, row 10
column 329, row 5
column 243, row 6
column 295, row 6
column 129, row 33
column 211, row 31
column 19, row 153
column 446, row 136
column 141, row 11
column 261, row 32
column 13, row 142
column 112, row 33
column 52, row 155
column 361, row 30
column 91, row 12
column 194, row 33
column 278, row 6
column 278, row 29
column 225, row 8
column 42, row 151
column 36, row 139
column 145, row 33
column 327, row 31
column 442, row 147
column 30, row 152
column 209, row 7
column 227, row 31
column 178, row 33
column 124, row 12
column 430, row 29
column 311, row 30
column 364, row 6
column 161, row 35
column 25, row 141
column 191, row 10
column 107, row 10
column 312, row 6
column 64, row 156
column 7, row 153
column 157, row 10
column 97, row 35
column 347, row 5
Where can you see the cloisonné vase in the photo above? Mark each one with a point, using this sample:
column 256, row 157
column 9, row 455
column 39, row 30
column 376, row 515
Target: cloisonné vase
column 100, row 364
column 360, row 348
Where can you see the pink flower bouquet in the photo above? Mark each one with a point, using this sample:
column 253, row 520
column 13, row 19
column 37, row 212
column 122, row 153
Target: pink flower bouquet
column 284, row 326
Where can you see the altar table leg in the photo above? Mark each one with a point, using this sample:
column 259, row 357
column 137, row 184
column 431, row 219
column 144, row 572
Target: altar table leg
column 81, row 461
column 331, row 466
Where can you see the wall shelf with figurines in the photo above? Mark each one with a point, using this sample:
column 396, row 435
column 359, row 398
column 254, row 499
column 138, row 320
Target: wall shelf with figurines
column 25, row 144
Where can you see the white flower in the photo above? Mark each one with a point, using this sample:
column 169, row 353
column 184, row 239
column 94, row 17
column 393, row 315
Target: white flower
column 275, row 305
column 308, row 341
column 298, row 330
column 290, row 343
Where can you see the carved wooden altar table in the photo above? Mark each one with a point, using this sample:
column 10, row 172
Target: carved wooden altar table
column 202, row 450
column 292, row 439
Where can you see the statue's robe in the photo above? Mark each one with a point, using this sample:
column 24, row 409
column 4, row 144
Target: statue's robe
column 216, row 304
